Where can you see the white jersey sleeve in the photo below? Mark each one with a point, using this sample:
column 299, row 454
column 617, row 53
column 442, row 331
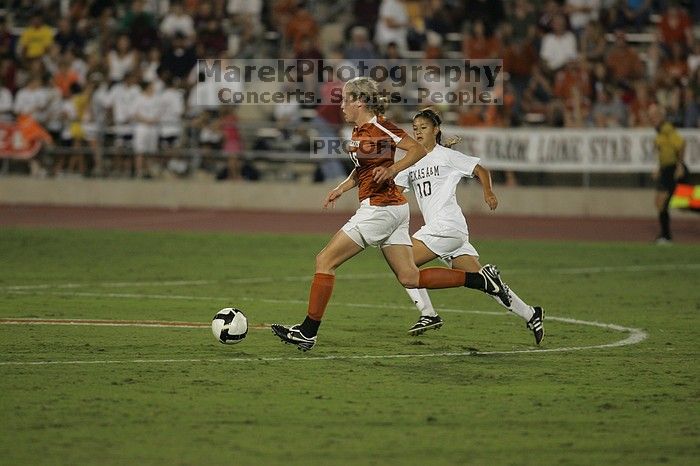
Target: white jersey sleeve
column 465, row 164
column 402, row 179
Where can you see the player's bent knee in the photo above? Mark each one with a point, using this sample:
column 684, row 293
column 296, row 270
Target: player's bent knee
column 321, row 263
column 324, row 263
column 408, row 280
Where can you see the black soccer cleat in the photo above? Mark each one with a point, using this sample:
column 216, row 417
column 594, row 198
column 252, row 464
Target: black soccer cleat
column 494, row 285
column 426, row 323
column 536, row 324
column 293, row 336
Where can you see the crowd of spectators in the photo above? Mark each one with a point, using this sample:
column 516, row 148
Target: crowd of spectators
column 121, row 75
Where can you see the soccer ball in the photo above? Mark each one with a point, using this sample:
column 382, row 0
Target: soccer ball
column 229, row 326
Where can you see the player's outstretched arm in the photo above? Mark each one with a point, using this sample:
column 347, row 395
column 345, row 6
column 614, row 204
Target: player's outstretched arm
column 485, row 178
column 414, row 152
column 347, row 184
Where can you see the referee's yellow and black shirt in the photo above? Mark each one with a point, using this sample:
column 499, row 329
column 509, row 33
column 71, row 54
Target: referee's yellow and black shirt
column 668, row 144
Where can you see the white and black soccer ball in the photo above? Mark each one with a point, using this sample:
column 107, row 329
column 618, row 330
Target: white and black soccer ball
column 229, row 326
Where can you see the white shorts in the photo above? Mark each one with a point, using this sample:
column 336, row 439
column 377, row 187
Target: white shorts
column 446, row 243
column 379, row 225
column 145, row 139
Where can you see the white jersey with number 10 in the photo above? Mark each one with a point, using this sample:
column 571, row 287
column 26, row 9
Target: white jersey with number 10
column 434, row 180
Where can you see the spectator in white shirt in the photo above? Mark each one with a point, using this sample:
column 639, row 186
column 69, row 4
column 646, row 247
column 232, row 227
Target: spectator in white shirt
column 177, row 21
column 246, row 14
column 77, row 64
column 559, row 46
column 171, row 104
column 5, row 103
column 145, row 118
column 121, row 101
column 95, row 120
column 122, row 96
column 150, row 68
column 252, row 8
column 581, row 12
column 33, row 99
column 205, row 94
column 694, row 57
column 392, row 25
column 121, row 60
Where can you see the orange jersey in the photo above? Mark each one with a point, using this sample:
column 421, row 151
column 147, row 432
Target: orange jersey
column 374, row 145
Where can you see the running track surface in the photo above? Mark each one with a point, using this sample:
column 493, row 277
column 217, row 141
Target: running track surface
column 686, row 230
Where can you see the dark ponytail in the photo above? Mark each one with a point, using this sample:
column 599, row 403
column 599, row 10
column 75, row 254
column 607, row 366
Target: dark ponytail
column 433, row 116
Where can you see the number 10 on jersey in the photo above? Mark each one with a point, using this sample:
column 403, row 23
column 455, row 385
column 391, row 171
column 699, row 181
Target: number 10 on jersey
column 424, row 189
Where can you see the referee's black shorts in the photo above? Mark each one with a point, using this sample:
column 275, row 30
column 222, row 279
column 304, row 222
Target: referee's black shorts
column 667, row 179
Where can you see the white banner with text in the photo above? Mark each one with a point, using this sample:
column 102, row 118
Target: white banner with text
column 568, row 150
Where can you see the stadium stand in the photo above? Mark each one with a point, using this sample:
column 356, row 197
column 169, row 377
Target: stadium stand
column 72, row 73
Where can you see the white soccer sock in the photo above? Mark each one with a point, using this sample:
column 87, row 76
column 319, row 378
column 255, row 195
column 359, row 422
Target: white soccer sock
column 517, row 306
column 420, row 298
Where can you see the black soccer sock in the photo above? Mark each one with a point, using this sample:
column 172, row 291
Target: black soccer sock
column 309, row 328
column 665, row 221
column 474, row 280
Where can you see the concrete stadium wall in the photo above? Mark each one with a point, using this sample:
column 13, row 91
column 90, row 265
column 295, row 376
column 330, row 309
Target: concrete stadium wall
column 570, row 202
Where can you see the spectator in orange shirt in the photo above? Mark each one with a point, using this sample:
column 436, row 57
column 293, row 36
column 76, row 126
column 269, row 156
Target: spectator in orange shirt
column 65, row 77
column 572, row 85
column 478, row 46
column 282, row 12
column 640, row 105
column 500, row 116
column 518, row 57
column 623, row 61
column 574, row 77
column 675, row 27
column 470, row 116
column 676, row 65
column 301, row 25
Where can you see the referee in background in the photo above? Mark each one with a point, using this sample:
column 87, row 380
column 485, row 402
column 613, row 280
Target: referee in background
column 670, row 146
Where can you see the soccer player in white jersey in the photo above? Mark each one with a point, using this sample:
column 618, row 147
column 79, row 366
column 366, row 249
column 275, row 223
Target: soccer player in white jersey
column 434, row 179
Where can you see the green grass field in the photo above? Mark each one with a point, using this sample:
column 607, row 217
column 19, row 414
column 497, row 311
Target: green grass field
column 133, row 395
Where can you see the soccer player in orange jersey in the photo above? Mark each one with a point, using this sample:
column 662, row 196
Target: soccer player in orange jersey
column 383, row 215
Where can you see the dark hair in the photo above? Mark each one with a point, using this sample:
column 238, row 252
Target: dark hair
column 432, row 115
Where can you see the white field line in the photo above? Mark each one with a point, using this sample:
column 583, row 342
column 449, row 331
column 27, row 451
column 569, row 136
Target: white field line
column 233, row 281
column 635, row 336
column 113, row 323
column 364, row 276
column 152, row 296
column 100, row 323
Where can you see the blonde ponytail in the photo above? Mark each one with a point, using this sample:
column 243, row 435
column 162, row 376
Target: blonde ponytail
column 366, row 90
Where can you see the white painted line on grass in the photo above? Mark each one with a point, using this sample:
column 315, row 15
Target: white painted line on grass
column 100, row 322
column 86, row 294
column 635, row 336
column 112, row 323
